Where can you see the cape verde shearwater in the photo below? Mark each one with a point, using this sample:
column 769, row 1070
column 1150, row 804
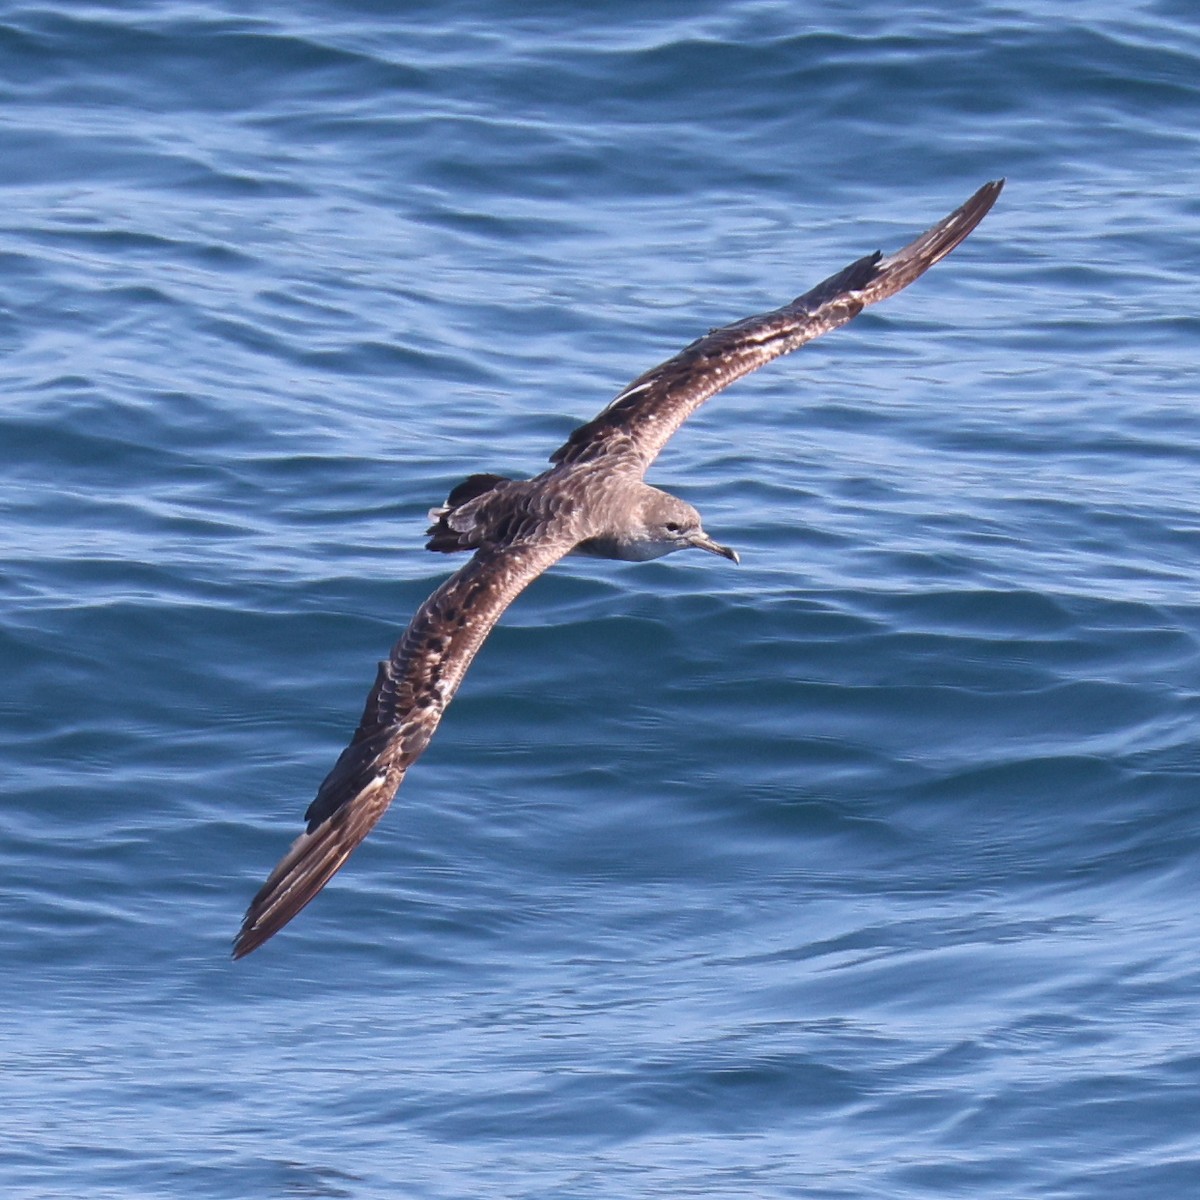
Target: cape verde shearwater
column 591, row 501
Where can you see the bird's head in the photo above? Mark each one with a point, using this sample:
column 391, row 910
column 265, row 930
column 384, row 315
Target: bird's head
column 670, row 524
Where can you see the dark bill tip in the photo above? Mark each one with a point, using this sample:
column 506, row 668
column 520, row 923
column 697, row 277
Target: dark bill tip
column 703, row 542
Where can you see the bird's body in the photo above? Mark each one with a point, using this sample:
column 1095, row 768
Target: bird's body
column 593, row 500
column 602, row 513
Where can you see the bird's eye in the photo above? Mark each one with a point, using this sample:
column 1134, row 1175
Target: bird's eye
column 674, row 527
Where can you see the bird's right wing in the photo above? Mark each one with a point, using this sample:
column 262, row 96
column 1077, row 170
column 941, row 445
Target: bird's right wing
column 637, row 424
column 412, row 690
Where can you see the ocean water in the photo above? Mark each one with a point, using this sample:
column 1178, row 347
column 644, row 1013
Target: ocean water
column 866, row 869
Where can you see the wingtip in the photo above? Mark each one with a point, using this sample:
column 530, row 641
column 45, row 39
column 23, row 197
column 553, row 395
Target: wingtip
column 987, row 194
column 978, row 206
column 249, row 937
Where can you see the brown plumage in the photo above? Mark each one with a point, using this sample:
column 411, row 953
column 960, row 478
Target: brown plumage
column 592, row 501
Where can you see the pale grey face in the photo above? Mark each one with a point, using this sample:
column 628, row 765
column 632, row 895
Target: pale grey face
column 672, row 524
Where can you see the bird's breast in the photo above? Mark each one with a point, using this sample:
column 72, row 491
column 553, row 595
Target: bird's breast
column 624, row 549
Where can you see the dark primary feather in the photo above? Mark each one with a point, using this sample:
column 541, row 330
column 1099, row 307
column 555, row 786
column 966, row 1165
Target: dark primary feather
column 412, row 689
column 519, row 528
column 637, row 424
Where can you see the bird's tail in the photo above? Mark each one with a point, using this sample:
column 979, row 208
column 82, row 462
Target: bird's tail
column 454, row 526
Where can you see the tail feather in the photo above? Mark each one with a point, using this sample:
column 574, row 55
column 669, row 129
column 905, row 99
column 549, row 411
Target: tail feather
column 453, row 525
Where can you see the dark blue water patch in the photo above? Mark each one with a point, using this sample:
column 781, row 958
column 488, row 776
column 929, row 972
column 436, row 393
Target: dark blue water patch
column 179, row 65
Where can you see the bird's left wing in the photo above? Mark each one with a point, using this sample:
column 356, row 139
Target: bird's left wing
column 637, row 424
column 412, row 690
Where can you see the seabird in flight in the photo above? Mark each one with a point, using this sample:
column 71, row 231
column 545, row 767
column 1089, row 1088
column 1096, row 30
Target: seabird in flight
column 592, row 500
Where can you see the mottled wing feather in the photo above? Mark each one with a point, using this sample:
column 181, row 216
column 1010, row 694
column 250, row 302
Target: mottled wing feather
column 412, row 689
column 637, row 424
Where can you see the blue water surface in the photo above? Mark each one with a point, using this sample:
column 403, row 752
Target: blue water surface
column 864, row 870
